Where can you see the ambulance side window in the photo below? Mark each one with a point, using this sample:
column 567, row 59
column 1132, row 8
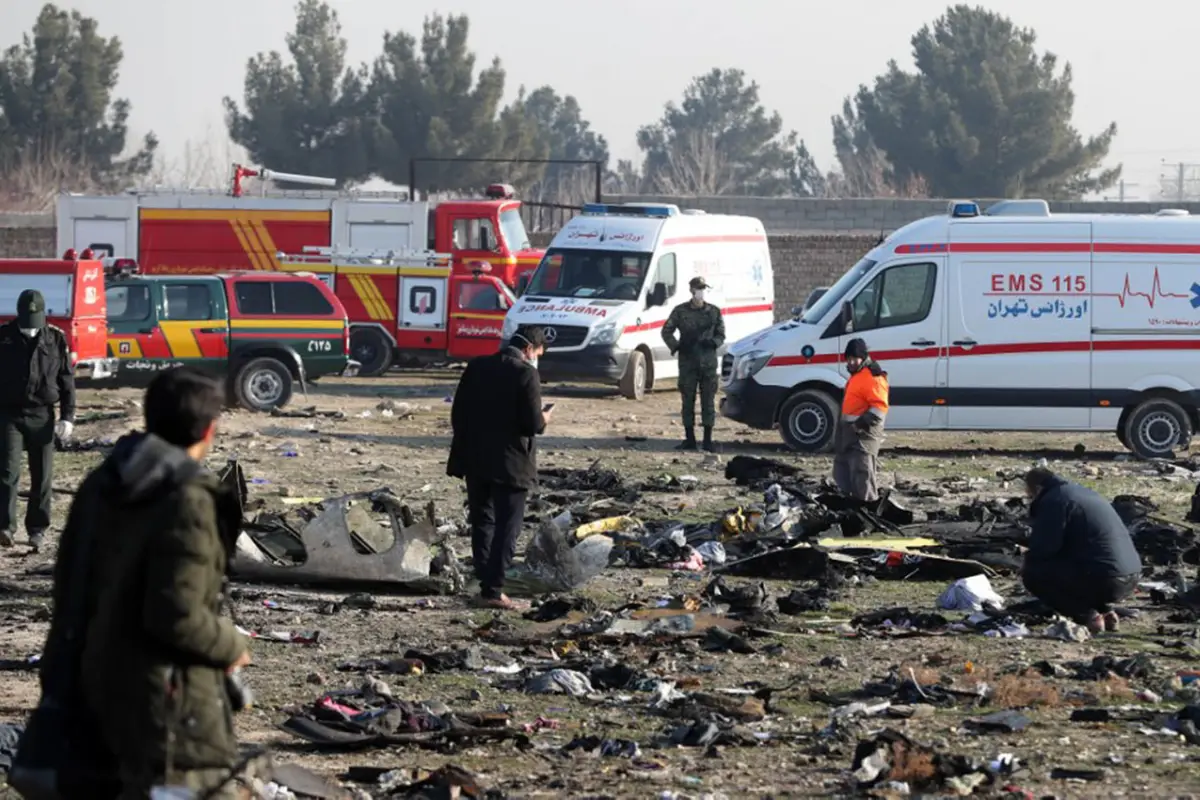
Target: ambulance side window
column 897, row 296
column 665, row 273
column 128, row 303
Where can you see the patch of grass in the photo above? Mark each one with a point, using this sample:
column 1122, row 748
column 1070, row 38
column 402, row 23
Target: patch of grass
column 1014, row 691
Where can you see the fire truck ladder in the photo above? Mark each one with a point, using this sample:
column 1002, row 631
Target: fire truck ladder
column 368, row 258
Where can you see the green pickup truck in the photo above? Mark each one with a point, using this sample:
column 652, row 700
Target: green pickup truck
column 263, row 331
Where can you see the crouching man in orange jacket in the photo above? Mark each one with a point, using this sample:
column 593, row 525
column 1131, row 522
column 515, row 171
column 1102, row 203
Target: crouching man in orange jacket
column 860, row 429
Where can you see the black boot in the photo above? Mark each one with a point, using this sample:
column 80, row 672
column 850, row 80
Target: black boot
column 709, row 447
column 689, row 440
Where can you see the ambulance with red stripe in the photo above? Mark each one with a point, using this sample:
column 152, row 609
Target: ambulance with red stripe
column 612, row 275
column 1015, row 319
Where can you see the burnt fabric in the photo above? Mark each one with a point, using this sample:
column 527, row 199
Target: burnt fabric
column 495, row 513
column 1076, row 531
column 1074, row 593
column 157, row 646
column 497, row 412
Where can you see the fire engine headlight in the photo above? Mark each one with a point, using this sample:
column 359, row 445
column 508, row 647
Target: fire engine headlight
column 608, row 333
column 747, row 365
column 509, row 328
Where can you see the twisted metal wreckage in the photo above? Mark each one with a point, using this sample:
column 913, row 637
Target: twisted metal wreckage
column 338, row 541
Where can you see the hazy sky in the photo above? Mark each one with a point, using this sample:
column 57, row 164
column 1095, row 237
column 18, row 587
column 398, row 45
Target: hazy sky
column 623, row 59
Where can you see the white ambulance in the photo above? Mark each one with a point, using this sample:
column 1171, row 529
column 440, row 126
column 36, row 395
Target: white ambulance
column 612, row 275
column 1016, row 319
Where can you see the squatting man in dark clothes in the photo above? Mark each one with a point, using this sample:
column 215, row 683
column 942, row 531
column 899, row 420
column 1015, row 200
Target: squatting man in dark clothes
column 155, row 533
column 497, row 414
column 859, row 433
column 37, row 376
column 696, row 331
column 1081, row 558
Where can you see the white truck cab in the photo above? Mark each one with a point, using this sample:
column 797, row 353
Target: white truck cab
column 1016, row 320
column 612, row 275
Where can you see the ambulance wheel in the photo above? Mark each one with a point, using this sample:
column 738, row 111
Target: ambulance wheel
column 263, row 384
column 633, row 382
column 808, row 420
column 370, row 348
column 1157, row 428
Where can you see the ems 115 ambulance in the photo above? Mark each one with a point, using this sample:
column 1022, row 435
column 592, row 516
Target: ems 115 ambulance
column 1016, row 319
column 612, row 275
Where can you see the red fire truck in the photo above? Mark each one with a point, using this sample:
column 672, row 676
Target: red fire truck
column 200, row 232
column 414, row 306
column 74, row 293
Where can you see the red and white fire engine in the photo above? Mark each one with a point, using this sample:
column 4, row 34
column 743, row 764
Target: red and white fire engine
column 200, row 232
column 412, row 306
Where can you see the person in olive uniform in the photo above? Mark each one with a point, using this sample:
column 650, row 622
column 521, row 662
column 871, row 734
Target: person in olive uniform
column 696, row 331
column 38, row 375
column 158, row 653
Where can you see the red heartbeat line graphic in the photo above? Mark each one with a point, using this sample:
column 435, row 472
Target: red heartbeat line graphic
column 1155, row 292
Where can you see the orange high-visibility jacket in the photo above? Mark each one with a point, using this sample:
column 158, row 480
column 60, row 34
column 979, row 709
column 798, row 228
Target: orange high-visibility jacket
column 865, row 391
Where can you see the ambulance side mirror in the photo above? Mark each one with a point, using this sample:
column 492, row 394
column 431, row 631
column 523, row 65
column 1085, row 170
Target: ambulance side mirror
column 657, row 296
column 847, row 317
column 522, row 284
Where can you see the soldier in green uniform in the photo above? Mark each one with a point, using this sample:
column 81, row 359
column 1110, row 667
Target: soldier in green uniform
column 696, row 331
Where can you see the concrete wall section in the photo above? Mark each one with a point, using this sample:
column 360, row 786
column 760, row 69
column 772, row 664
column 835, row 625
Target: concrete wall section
column 27, row 235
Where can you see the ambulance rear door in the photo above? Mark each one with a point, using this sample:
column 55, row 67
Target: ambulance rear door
column 1020, row 325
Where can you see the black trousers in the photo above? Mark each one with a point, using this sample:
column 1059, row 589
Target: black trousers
column 1075, row 594
column 496, row 513
column 30, row 431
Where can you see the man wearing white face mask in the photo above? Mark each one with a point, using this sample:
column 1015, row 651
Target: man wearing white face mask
column 38, row 376
column 696, row 331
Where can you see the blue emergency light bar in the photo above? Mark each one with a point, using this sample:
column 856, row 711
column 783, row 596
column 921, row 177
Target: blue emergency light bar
column 630, row 210
column 963, row 208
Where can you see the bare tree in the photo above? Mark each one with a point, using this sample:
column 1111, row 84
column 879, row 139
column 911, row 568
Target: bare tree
column 625, row 179
column 204, row 164
column 871, row 177
column 695, row 166
column 31, row 179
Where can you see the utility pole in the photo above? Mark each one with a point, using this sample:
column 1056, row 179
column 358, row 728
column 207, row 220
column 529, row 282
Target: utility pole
column 1182, row 172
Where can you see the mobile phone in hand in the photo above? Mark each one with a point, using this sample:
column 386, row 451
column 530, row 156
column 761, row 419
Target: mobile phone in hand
column 547, row 408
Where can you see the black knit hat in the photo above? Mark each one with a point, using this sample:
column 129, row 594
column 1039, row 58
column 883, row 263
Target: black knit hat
column 856, row 348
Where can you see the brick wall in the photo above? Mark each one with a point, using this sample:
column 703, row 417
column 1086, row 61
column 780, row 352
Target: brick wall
column 802, row 263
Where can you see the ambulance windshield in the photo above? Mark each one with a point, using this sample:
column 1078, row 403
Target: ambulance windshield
column 608, row 274
column 833, row 298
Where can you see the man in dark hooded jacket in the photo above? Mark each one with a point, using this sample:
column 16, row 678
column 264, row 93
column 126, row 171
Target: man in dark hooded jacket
column 1081, row 558
column 157, row 652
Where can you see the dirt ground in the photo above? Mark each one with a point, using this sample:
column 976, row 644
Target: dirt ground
column 368, row 449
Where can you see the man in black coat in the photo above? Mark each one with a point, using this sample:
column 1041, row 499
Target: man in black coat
column 497, row 412
column 1081, row 557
